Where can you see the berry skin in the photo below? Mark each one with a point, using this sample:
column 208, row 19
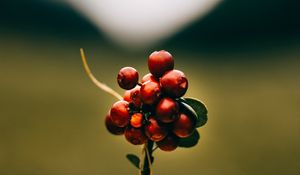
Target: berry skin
column 120, row 113
column 160, row 62
column 136, row 120
column 133, row 96
column 154, row 131
column 167, row 110
column 126, row 96
column 127, row 78
column 174, row 83
column 150, row 92
column 112, row 128
column 169, row 143
column 148, row 77
column 135, row 136
column 184, row 126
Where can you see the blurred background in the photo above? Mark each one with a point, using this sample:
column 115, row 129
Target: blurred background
column 242, row 59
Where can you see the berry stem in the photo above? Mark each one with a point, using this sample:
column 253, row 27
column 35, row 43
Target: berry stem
column 146, row 169
column 154, row 149
column 102, row 86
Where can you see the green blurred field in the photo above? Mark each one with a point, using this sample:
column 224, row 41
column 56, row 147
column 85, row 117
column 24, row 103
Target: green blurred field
column 51, row 117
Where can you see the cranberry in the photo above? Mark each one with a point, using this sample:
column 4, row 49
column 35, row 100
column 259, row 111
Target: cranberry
column 169, row 143
column 112, row 128
column 148, row 77
column 128, row 77
column 136, row 120
column 135, row 136
column 133, row 96
column 159, row 62
column 150, row 92
column 154, row 131
column 126, row 96
column 174, row 83
column 119, row 113
column 167, row 110
column 184, row 126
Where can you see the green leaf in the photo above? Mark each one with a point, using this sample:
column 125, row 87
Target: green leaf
column 190, row 141
column 196, row 108
column 135, row 160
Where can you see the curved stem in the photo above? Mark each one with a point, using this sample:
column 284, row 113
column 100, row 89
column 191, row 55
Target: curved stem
column 102, row 86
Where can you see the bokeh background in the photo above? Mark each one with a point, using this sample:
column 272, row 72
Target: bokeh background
column 242, row 59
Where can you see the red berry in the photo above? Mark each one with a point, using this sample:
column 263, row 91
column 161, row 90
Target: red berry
column 154, row 131
column 135, row 136
column 119, row 113
column 112, row 128
column 133, row 96
column 150, row 92
column 184, row 126
column 126, row 96
column 174, row 83
column 128, row 77
column 136, row 120
column 169, row 143
column 167, row 110
column 148, row 77
column 160, row 62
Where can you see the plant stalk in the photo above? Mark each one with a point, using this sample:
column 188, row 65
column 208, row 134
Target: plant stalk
column 148, row 159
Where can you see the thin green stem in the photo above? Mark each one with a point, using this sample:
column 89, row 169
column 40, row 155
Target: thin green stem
column 154, row 148
column 146, row 169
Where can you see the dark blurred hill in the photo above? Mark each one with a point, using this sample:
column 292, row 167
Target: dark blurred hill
column 232, row 23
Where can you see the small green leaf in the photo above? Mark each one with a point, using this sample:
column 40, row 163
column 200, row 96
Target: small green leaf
column 190, row 141
column 198, row 109
column 135, row 160
column 187, row 109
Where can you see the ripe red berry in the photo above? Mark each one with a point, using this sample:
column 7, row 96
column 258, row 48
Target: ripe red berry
column 136, row 120
column 160, row 62
column 120, row 113
column 127, row 78
column 184, row 126
column 126, row 96
column 133, row 96
column 148, row 77
column 135, row 136
column 154, row 131
column 150, row 92
column 167, row 110
column 169, row 143
column 112, row 128
column 174, row 83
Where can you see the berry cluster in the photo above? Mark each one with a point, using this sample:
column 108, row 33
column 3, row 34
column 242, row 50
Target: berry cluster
column 151, row 109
